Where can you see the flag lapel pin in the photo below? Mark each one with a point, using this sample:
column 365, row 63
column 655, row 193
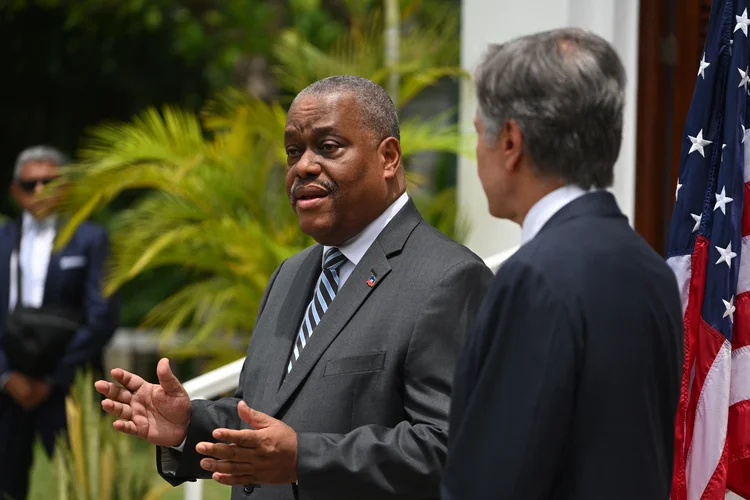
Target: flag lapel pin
column 371, row 280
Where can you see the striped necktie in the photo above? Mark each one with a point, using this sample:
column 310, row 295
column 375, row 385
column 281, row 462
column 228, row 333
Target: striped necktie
column 325, row 291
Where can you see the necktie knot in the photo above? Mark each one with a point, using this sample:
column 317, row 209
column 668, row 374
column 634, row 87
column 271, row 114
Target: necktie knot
column 334, row 259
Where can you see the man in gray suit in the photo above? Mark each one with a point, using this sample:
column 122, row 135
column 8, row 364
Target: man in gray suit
column 346, row 386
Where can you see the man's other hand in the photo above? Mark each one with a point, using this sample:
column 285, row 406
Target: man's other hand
column 266, row 454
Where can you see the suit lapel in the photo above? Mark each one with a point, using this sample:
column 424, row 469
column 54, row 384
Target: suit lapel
column 52, row 281
column 349, row 299
column 351, row 296
column 290, row 319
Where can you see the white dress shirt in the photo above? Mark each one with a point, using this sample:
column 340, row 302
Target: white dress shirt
column 544, row 209
column 37, row 240
column 355, row 248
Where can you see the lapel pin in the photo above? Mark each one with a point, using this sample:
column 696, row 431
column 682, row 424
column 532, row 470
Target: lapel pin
column 371, row 280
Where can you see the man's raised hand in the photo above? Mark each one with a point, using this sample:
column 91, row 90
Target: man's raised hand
column 158, row 413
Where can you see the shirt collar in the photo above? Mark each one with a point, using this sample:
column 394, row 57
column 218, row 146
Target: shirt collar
column 355, row 248
column 545, row 208
column 40, row 224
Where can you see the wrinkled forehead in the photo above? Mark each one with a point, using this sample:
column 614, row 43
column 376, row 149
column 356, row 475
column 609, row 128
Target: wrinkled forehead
column 310, row 114
column 36, row 169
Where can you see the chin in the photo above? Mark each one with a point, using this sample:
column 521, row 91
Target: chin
column 318, row 228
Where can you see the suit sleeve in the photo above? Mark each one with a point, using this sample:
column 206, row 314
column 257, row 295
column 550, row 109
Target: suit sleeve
column 101, row 315
column 377, row 462
column 176, row 467
column 514, row 393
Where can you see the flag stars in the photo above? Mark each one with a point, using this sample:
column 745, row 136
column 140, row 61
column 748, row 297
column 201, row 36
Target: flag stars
column 730, row 308
column 677, row 191
column 742, row 22
column 697, row 219
column 703, row 66
column 726, row 255
column 698, row 143
column 743, row 77
column 721, row 200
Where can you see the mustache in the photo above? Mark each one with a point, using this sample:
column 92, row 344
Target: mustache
column 326, row 184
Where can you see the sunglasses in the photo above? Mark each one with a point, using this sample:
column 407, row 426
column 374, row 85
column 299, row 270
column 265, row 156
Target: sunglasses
column 29, row 185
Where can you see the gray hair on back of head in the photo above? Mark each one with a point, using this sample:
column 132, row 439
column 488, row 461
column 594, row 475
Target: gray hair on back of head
column 565, row 90
column 375, row 105
column 39, row 153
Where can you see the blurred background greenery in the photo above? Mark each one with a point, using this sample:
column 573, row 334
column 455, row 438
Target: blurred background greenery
column 173, row 112
column 76, row 64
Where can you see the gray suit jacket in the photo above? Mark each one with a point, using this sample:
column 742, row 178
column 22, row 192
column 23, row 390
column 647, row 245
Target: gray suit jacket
column 370, row 394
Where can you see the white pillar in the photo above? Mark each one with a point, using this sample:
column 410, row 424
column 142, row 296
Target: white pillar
column 494, row 21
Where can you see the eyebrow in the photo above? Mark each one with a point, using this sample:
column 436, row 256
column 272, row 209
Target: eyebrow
column 324, row 130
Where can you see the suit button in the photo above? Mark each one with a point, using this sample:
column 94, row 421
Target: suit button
column 248, row 489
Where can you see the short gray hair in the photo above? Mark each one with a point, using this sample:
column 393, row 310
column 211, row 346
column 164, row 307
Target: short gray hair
column 375, row 105
column 41, row 154
column 565, row 90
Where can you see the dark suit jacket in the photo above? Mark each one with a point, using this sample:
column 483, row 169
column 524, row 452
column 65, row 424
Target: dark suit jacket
column 569, row 382
column 369, row 395
column 77, row 287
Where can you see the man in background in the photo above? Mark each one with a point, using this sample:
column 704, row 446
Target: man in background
column 70, row 279
column 345, row 390
column 568, row 386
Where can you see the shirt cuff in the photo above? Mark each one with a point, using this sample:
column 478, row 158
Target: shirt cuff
column 181, row 446
column 170, row 460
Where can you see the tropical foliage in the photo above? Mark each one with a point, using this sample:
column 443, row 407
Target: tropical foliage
column 212, row 197
column 96, row 462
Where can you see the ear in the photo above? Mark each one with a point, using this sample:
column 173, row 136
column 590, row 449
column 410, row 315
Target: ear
column 510, row 140
column 390, row 154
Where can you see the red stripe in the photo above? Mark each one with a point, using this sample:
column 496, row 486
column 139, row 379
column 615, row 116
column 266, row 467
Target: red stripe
column 738, row 439
column 746, row 211
column 691, row 323
column 708, row 345
column 738, row 433
column 741, row 333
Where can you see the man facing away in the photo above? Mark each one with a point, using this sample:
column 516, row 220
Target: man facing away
column 569, row 382
column 345, row 389
column 70, row 279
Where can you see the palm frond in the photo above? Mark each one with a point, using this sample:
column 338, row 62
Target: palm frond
column 419, row 135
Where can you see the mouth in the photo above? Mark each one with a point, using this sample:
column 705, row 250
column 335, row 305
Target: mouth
column 307, row 197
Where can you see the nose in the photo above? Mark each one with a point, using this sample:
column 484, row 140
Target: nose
column 39, row 187
column 307, row 165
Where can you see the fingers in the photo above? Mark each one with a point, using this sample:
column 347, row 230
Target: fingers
column 118, row 410
column 223, row 451
column 113, row 391
column 228, row 467
column 245, row 438
column 126, row 427
column 231, row 480
column 256, row 419
column 129, row 380
column 167, row 380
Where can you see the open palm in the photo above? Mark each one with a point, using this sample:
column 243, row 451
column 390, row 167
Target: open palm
column 158, row 413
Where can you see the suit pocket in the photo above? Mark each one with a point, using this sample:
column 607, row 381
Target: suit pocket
column 355, row 364
column 72, row 262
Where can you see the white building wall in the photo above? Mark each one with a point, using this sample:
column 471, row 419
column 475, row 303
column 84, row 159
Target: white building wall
column 494, row 21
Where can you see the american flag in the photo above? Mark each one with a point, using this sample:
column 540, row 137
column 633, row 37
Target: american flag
column 709, row 251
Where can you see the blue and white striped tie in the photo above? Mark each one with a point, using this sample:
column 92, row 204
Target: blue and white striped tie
column 325, row 291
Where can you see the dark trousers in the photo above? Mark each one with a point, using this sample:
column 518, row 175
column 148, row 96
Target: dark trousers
column 18, row 429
